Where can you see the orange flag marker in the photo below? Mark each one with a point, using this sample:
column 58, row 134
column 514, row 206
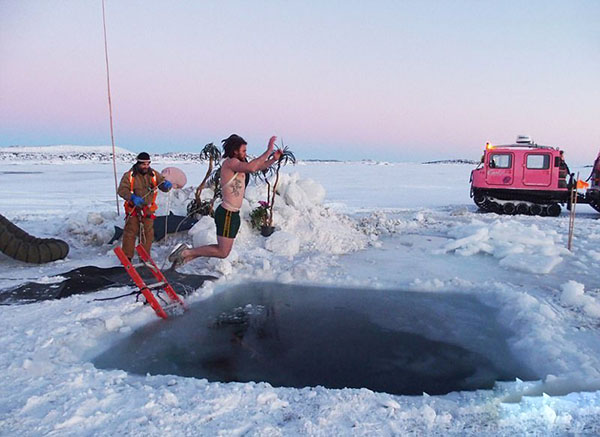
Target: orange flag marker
column 582, row 184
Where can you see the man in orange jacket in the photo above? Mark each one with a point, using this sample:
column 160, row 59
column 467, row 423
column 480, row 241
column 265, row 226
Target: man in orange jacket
column 138, row 188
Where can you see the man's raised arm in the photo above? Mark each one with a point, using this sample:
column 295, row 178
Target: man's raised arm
column 269, row 162
column 256, row 164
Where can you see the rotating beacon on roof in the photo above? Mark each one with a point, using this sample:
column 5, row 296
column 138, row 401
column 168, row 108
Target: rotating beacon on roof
column 527, row 178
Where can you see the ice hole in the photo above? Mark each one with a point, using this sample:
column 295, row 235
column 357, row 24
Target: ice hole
column 297, row 336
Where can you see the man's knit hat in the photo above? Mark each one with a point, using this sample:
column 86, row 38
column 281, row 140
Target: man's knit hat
column 143, row 157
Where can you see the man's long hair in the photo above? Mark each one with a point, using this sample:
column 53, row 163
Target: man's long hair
column 232, row 144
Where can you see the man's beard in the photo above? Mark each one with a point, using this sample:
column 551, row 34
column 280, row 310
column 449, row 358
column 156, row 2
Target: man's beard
column 142, row 170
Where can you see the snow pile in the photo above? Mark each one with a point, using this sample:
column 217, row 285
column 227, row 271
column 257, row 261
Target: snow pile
column 306, row 232
column 96, row 229
column 517, row 245
column 283, row 244
column 307, row 238
column 573, row 295
column 302, row 222
column 299, row 211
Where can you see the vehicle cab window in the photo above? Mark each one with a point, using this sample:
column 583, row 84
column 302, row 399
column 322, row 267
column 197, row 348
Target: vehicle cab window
column 500, row 160
column 538, row 162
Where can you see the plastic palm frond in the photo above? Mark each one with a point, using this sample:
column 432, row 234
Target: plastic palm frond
column 210, row 151
column 263, row 175
column 287, row 156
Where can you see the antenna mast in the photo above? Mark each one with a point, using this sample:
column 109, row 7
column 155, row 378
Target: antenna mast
column 112, row 136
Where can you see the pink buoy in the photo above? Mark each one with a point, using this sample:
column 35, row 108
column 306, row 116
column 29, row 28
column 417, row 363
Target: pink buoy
column 175, row 176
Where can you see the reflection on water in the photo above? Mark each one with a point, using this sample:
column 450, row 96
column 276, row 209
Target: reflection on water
column 296, row 336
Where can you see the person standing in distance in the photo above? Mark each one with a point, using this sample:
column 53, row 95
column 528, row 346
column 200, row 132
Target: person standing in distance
column 138, row 188
column 234, row 170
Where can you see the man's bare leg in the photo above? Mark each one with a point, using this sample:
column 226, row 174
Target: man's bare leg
column 219, row 250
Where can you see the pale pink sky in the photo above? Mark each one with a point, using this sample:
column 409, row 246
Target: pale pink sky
column 342, row 79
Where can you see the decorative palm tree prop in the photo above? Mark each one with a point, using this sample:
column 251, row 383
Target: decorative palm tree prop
column 259, row 217
column 287, row 156
column 197, row 206
column 264, row 175
column 213, row 154
column 215, row 183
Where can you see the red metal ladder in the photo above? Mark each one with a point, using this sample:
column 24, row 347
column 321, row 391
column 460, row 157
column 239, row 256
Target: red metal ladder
column 146, row 290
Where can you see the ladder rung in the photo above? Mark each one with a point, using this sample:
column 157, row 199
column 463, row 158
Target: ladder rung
column 156, row 285
column 142, row 264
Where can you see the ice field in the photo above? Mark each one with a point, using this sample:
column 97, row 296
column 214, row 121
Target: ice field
column 394, row 227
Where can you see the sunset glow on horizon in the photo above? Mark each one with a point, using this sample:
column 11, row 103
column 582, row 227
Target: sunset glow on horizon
column 340, row 80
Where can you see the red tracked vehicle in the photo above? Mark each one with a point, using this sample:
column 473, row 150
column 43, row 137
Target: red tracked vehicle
column 593, row 193
column 524, row 178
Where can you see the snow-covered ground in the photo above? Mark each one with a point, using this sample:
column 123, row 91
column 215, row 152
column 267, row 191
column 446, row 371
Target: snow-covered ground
column 369, row 225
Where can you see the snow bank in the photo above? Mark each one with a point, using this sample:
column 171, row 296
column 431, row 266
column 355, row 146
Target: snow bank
column 204, row 232
column 573, row 295
column 308, row 234
column 517, row 245
column 301, row 221
column 283, row 243
column 299, row 211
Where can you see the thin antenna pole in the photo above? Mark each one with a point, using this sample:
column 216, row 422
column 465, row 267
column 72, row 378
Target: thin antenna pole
column 112, row 136
column 573, row 195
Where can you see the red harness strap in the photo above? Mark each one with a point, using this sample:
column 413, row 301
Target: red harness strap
column 147, row 211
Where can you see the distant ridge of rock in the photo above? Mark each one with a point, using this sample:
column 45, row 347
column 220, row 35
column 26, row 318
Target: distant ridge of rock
column 103, row 154
column 452, row 161
column 68, row 153
column 177, row 157
column 321, row 160
column 63, row 149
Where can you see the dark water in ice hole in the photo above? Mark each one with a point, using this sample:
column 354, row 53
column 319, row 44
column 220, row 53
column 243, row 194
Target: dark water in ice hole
column 296, row 336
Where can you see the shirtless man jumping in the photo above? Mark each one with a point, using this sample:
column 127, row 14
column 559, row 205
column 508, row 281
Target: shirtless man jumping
column 227, row 215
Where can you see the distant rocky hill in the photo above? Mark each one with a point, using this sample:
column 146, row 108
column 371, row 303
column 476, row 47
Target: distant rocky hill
column 453, row 161
column 82, row 154
column 70, row 153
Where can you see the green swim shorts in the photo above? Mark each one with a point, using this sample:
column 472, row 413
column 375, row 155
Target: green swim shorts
column 228, row 223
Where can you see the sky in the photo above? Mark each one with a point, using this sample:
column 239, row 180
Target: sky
column 386, row 80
